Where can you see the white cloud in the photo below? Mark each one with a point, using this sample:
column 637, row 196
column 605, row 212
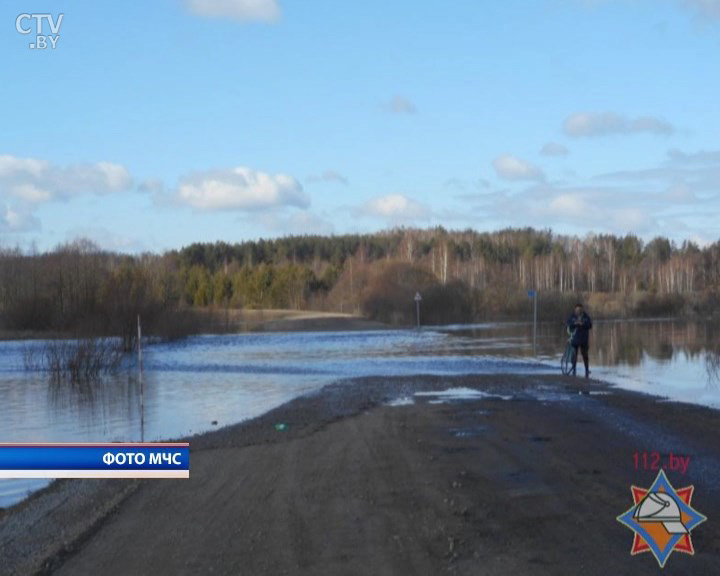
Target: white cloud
column 241, row 189
column 578, row 209
column 588, row 124
column 692, row 173
column 17, row 220
column 554, row 149
column 239, row 10
column 35, row 181
column 328, row 176
column 298, row 223
column 569, row 204
column 401, row 105
column 394, row 207
column 678, row 198
column 30, row 193
column 512, row 168
column 12, row 165
column 115, row 176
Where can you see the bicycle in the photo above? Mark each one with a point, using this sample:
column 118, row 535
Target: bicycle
column 569, row 357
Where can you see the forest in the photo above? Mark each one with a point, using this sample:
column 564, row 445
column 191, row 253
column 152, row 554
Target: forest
column 462, row 276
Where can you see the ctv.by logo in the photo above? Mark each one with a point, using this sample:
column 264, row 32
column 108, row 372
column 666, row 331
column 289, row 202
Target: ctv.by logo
column 41, row 40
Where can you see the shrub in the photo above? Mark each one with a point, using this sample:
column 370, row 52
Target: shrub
column 78, row 361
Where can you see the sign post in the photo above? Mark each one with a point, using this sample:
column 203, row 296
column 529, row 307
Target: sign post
column 418, row 299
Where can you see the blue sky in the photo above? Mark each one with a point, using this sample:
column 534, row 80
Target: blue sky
column 155, row 124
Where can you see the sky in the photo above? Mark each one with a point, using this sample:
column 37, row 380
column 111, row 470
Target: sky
column 152, row 125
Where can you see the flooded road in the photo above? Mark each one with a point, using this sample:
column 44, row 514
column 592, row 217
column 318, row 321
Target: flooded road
column 203, row 382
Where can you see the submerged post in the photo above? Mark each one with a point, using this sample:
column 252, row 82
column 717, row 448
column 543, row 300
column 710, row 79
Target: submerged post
column 418, row 299
column 535, row 323
column 142, row 385
column 139, row 340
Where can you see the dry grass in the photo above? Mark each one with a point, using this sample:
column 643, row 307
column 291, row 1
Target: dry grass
column 75, row 361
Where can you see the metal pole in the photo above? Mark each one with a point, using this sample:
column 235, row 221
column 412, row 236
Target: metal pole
column 535, row 322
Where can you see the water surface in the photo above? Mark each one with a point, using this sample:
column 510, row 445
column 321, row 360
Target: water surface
column 208, row 381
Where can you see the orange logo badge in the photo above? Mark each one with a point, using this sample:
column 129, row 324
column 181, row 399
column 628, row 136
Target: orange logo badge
column 662, row 519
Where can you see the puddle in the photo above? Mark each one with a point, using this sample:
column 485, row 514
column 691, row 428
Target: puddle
column 548, row 394
column 402, row 401
column 459, row 394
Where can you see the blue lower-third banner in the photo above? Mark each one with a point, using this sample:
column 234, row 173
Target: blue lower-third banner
column 116, row 460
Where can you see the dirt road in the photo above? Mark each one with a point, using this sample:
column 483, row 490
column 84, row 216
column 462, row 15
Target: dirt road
column 528, row 485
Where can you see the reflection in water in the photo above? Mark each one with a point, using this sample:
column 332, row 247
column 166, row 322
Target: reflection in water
column 668, row 358
column 712, row 365
column 229, row 378
column 628, row 342
column 612, row 343
column 110, row 404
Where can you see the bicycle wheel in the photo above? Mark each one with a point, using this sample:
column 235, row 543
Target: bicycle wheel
column 566, row 362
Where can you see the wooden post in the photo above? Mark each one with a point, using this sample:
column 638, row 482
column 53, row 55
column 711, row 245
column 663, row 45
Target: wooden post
column 139, row 341
column 535, row 323
column 142, row 384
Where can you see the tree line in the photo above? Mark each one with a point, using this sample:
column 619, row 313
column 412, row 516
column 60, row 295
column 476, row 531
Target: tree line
column 463, row 275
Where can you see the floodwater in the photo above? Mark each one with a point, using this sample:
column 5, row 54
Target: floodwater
column 203, row 382
column 661, row 357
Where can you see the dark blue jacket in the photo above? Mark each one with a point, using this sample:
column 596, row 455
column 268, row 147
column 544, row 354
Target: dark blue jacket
column 582, row 330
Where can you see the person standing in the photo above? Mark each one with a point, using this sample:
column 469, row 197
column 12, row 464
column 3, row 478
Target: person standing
column 579, row 324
